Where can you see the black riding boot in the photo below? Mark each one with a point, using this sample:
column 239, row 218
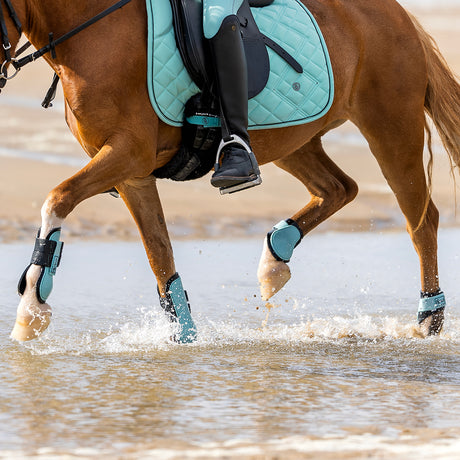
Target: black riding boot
column 238, row 169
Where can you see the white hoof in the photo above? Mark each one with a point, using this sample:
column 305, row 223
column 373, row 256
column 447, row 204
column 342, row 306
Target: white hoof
column 272, row 274
column 432, row 325
column 31, row 321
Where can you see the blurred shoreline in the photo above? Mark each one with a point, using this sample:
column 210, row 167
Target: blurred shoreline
column 38, row 152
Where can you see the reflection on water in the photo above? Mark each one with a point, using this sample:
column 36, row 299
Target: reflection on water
column 334, row 371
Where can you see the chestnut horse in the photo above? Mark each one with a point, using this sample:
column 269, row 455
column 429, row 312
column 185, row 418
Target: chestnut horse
column 388, row 75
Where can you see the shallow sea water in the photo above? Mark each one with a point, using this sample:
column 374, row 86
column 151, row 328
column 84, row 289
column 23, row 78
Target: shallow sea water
column 332, row 370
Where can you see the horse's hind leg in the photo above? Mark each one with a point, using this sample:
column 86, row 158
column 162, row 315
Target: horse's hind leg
column 330, row 190
column 397, row 142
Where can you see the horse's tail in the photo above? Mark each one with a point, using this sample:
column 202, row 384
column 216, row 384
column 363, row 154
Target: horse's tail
column 442, row 99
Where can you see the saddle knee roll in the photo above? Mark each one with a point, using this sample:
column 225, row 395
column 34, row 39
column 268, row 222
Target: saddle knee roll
column 215, row 12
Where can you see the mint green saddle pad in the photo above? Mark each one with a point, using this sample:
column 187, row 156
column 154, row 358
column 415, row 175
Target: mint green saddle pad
column 288, row 99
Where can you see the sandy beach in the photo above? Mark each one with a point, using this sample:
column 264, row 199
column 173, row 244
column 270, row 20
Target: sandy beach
column 38, row 152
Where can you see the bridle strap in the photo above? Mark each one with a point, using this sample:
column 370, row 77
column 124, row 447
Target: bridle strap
column 18, row 63
column 4, row 31
column 5, row 39
column 14, row 16
column 6, row 47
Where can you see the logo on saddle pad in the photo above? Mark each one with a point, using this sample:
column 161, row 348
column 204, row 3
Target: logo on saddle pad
column 299, row 85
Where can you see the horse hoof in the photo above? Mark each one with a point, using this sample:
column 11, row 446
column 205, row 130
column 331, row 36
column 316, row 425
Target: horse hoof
column 31, row 322
column 272, row 274
column 432, row 325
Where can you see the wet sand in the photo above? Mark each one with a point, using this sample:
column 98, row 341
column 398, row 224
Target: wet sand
column 334, row 369
column 193, row 209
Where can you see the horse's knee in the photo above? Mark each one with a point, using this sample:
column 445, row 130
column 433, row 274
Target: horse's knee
column 58, row 204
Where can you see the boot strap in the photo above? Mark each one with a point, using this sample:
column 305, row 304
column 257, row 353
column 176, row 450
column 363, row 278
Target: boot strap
column 47, row 254
column 177, row 307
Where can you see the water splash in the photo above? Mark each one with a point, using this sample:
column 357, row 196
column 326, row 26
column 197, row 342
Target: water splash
column 151, row 331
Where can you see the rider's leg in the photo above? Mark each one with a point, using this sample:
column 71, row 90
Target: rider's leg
column 238, row 169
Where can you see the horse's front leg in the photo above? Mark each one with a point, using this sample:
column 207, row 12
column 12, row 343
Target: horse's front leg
column 142, row 199
column 121, row 158
column 36, row 283
column 330, row 189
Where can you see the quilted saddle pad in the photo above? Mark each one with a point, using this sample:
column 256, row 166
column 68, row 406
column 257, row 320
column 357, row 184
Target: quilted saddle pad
column 288, row 99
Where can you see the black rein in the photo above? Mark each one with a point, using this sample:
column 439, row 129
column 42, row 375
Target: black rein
column 50, row 47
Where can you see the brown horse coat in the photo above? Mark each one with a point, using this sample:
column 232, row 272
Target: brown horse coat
column 388, row 75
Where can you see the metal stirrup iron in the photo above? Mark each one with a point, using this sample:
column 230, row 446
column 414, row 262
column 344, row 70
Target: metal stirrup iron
column 235, row 139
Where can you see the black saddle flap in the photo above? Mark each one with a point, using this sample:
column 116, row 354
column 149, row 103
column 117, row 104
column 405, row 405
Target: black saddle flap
column 194, row 49
column 258, row 62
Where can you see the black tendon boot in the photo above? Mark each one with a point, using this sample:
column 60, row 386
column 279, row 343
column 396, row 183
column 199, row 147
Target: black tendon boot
column 238, row 169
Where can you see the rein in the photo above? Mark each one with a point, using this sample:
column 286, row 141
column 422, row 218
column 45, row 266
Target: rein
column 6, row 41
column 50, row 47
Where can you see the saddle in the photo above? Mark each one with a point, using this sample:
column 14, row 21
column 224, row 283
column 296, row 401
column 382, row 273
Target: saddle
column 188, row 31
column 283, row 89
